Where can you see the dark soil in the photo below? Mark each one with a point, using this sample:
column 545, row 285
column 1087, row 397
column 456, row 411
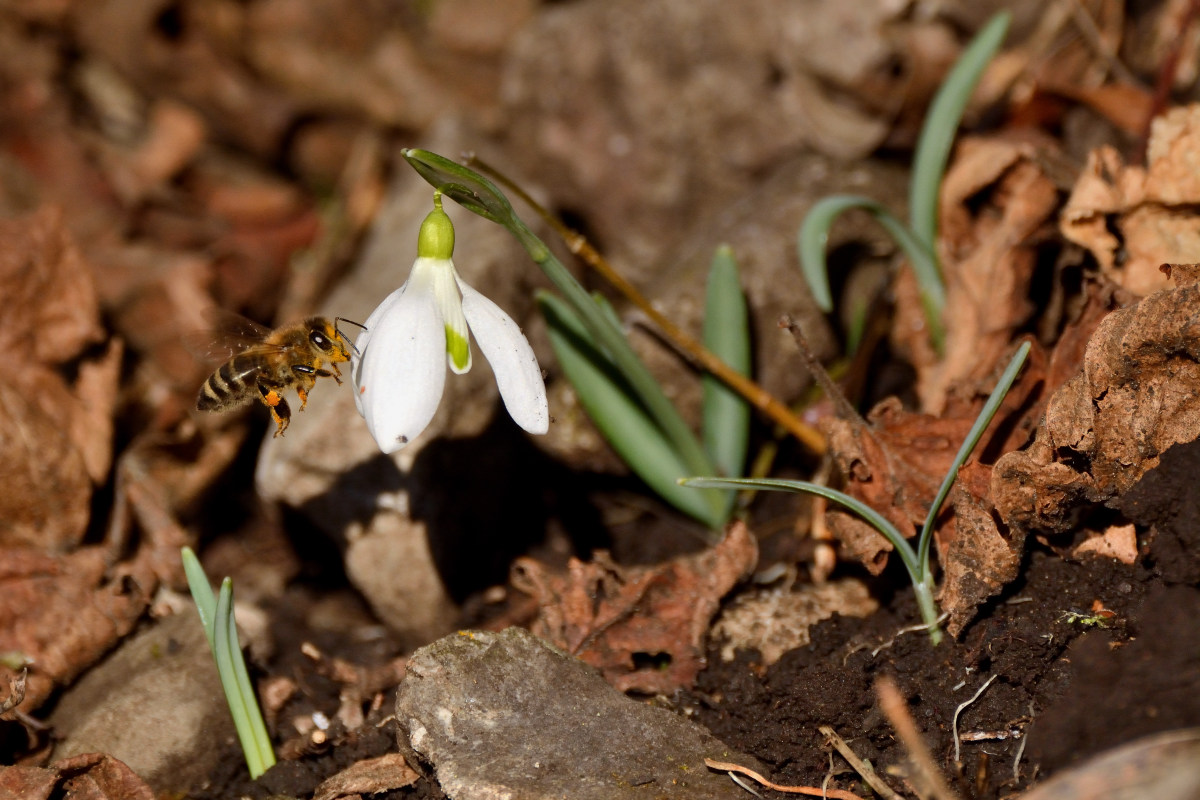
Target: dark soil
column 1074, row 685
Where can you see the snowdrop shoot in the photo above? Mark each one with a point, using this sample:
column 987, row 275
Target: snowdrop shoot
column 425, row 326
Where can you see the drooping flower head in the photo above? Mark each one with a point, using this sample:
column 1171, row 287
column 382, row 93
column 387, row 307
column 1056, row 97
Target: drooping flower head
column 425, row 326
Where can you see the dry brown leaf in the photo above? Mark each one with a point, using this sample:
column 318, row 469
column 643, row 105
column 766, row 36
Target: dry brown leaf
column 774, row 621
column 96, row 776
column 1137, row 394
column 896, row 464
column 92, row 776
column 1133, row 219
column 988, row 253
column 612, row 616
column 978, row 560
column 64, row 612
column 60, row 429
column 1119, row 542
column 369, row 776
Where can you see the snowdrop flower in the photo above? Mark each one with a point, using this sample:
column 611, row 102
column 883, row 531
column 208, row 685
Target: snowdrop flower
column 399, row 372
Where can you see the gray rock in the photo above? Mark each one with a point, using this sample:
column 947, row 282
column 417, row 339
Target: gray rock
column 505, row 715
column 155, row 704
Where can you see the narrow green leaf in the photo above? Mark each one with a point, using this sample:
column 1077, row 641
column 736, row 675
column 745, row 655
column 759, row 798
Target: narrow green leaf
column 725, row 413
column 870, row 515
column 813, row 238
column 202, row 593
column 941, row 126
column 620, row 417
column 981, row 422
column 225, row 639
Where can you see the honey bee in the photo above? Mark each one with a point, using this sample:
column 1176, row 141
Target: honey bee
column 272, row 360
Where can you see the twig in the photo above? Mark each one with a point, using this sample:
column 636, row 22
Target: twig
column 1096, row 41
column 754, row 394
column 861, row 766
column 820, row 375
column 926, row 771
column 957, row 711
column 812, row 791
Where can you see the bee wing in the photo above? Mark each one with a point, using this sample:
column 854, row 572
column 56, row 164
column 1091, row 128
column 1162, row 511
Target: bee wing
column 227, row 335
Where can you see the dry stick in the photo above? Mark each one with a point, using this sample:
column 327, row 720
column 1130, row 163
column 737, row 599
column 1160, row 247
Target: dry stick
column 861, row 766
column 821, row 375
column 1096, row 41
column 926, row 771
column 754, row 394
column 726, row 766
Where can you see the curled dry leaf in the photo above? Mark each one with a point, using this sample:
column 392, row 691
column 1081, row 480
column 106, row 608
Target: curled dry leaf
column 93, row 775
column 896, row 463
column 64, row 612
column 60, row 441
column 612, row 617
column 1137, row 394
column 1132, row 219
column 367, row 777
column 996, row 198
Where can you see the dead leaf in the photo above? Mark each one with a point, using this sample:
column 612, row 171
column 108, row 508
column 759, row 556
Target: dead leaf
column 1133, row 219
column 93, row 776
column 995, row 199
column 370, row 776
column 59, row 430
column 612, row 617
column 64, row 612
column 774, row 621
column 978, row 560
column 897, row 462
column 1119, row 542
column 1136, row 394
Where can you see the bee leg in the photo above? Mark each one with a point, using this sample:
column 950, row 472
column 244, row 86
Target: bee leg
column 303, row 394
column 336, row 374
column 280, row 412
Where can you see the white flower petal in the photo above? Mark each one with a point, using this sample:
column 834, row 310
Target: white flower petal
column 513, row 362
column 401, row 373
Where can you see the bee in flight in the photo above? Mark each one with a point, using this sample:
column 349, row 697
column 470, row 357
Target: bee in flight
column 272, row 360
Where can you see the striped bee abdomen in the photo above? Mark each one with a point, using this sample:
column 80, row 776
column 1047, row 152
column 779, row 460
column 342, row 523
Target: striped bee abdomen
column 230, row 385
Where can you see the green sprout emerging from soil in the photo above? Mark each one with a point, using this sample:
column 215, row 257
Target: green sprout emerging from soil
column 216, row 614
column 916, row 561
column 918, row 239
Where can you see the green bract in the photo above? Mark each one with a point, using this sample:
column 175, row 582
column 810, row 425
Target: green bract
column 918, row 239
column 915, row 561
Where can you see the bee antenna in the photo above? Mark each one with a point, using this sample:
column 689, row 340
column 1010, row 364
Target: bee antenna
column 339, row 330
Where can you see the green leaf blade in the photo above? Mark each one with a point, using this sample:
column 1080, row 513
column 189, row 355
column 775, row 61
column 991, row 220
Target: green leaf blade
column 725, row 423
column 619, row 416
column 941, row 126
